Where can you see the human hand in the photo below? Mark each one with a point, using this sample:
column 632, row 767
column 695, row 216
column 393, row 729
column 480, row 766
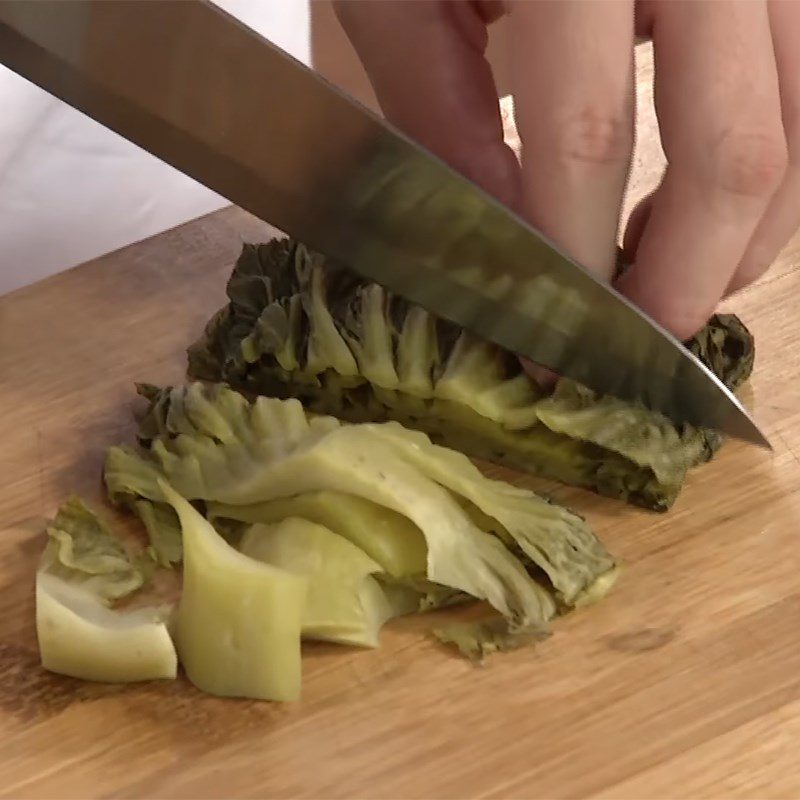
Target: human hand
column 727, row 89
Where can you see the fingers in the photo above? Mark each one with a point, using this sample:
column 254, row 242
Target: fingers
column 425, row 60
column 718, row 105
column 782, row 216
column 572, row 63
column 637, row 222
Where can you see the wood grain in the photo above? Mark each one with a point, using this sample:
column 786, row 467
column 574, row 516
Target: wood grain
column 685, row 682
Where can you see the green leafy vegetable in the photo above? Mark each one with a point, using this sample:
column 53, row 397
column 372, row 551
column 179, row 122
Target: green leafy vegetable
column 299, row 325
column 83, row 570
column 163, row 529
column 476, row 640
column 79, row 636
column 216, row 446
column 389, row 538
column 81, row 550
column 238, row 622
column 345, row 602
column 556, row 540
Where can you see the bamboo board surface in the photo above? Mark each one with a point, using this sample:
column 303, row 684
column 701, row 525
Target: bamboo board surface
column 684, row 682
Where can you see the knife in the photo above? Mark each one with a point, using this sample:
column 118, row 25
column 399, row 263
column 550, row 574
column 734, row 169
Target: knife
column 206, row 94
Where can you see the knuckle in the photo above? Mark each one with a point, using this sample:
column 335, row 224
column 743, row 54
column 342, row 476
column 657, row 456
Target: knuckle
column 593, row 136
column 683, row 312
column 686, row 322
column 750, row 163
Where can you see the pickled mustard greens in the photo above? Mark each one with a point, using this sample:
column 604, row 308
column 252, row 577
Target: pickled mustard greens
column 291, row 526
column 215, row 446
column 345, row 602
column 476, row 640
column 238, row 621
column 552, row 538
column 300, row 325
column 163, row 530
column 83, row 571
column 389, row 538
column 79, row 636
column 82, row 550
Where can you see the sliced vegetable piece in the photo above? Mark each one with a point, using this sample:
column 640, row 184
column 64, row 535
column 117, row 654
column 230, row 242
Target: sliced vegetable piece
column 80, row 637
column 82, row 550
column 558, row 541
column 353, row 460
column 345, row 604
column 163, row 530
column 131, row 474
column 83, row 571
column 238, row 622
column 389, row 538
column 477, row 640
column 485, row 539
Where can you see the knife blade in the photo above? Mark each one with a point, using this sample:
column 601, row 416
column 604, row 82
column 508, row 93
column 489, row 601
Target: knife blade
column 206, row 94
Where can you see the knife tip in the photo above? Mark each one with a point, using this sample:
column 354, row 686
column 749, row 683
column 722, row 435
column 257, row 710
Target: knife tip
column 744, row 428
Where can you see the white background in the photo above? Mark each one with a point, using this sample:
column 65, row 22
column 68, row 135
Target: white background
column 71, row 190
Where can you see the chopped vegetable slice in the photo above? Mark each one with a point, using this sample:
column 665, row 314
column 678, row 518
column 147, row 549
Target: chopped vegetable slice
column 163, row 529
column 81, row 550
column 262, row 459
column 84, row 569
column 79, row 636
column 345, row 603
column 476, row 640
column 386, row 536
column 238, row 622
column 554, row 539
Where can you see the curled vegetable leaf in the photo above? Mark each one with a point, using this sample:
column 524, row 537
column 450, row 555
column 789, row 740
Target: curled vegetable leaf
column 345, row 602
column 81, row 550
column 238, row 622
column 230, row 453
column 556, row 540
column 84, row 570
column 79, row 636
column 163, row 529
column 395, row 543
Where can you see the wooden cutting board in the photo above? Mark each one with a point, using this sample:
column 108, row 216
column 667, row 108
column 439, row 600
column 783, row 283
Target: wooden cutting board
column 684, row 682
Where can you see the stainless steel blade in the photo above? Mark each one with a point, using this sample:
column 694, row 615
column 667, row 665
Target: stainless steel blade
column 206, row 94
